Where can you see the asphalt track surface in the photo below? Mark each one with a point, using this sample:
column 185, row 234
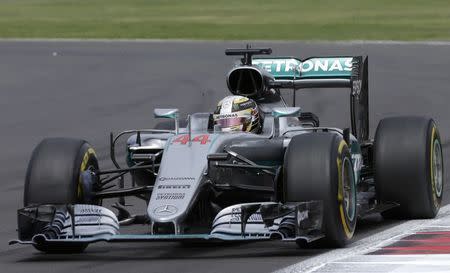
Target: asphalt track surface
column 86, row 89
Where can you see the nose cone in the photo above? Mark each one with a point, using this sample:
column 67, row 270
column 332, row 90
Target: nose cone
column 181, row 173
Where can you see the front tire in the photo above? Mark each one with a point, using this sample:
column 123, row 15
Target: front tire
column 54, row 177
column 409, row 166
column 318, row 166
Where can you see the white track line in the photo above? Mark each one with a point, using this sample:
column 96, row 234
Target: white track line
column 365, row 245
column 426, row 262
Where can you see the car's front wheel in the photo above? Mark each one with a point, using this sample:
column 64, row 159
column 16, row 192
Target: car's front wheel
column 54, row 177
column 318, row 166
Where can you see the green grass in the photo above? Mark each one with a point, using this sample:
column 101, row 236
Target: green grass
column 227, row 19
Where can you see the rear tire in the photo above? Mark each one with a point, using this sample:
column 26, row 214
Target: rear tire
column 318, row 166
column 53, row 177
column 409, row 166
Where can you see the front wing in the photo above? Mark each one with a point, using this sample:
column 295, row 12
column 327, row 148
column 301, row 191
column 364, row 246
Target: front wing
column 68, row 224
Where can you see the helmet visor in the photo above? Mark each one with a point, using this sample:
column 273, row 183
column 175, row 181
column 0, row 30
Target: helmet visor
column 231, row 122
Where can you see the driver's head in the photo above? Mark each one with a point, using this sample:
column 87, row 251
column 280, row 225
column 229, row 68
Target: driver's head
column 237, row 113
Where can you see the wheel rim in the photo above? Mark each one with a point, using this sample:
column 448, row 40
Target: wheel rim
column 349, row 201
column 89, row 163
column 437, row 167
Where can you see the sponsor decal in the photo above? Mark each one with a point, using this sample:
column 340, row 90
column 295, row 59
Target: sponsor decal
column 170, row 196
column 91, row 211
column 356, row 90
column 277, row 65
column 165, row 210
column 246, row 104
column 236, row 216
column 88, row 219
column 181, row 178
column 231, row 115
column 280, row 66
column 326, row 65
column 184, row 139
column 175, row 187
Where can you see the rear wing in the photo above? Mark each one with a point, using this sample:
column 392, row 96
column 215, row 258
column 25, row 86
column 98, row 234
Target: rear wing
column 254, row 76
column 326, row 72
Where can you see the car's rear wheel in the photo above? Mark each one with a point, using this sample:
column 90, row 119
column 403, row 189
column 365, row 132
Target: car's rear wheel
column 318, row 166
column 409, row 166
column 54, row 177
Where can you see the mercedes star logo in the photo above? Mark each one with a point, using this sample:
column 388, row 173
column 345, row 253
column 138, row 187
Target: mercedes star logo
column 165, row 210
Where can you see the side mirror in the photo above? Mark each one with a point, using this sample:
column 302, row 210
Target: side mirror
column 168, row 113
column 279, row 112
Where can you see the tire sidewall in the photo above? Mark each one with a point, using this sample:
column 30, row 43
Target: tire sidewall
column 54, row 171
column 312, row 171
column 337, row 221
column 434, row 200
column 86, row 159
column 403, row 161
column 62, row 160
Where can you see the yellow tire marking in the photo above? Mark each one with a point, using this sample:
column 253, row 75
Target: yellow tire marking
column 348, row 233
column 341, row 146
column 340, row 196
column 86, row 156
column 83, row 166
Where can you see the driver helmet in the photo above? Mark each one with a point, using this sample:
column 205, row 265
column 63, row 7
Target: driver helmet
column 237, row 113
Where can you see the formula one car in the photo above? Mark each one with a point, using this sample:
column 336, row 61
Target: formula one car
column 295, row 181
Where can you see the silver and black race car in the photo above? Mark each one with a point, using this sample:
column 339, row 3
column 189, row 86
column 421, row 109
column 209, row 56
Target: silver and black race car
column 295, row 181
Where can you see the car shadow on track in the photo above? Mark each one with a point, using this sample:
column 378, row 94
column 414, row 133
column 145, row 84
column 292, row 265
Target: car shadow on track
column 373, row 224
column 177, row 251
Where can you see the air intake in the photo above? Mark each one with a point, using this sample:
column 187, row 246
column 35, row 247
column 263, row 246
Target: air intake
column 248, row 81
